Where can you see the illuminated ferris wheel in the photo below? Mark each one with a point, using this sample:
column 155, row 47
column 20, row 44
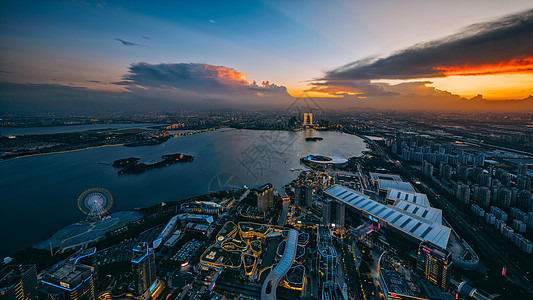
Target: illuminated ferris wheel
column 95, row 202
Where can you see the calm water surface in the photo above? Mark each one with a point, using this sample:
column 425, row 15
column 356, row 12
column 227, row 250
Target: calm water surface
column 39, row 193
column 66, row 129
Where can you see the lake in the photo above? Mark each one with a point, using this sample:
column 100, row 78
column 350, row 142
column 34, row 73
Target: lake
column 39, row 193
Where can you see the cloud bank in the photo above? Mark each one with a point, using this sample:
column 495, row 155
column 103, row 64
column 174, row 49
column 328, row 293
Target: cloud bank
column 504, row 43
column 202, row 79
column 152, row 87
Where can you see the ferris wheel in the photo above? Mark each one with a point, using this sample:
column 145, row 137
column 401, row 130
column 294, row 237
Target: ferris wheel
column 95, row 202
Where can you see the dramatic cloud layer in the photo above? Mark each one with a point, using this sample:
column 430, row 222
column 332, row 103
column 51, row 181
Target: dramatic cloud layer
column 503, row 46
column 152, row 87
column 199, row 78
column 500, row 47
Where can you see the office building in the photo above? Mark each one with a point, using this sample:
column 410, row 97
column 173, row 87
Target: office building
column 68, row 281
column 334, row 212
column 265, row 198
column 434, row 263
column 143, row 267
column 18, row 282
column 303, row 196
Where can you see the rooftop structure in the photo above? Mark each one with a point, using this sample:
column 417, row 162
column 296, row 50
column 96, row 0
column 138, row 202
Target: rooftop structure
column 271, row 282
column 425, row 212
column 395, row 286
column 173, row 239
column 384, row 185
column 169, row 228
column 206, row 207
column 408, row 224
column 196, row 218
column 296, row 277
column 417, row 198
column 376, row 176
column 324, row 161
column 70, row 280
column 331, row 291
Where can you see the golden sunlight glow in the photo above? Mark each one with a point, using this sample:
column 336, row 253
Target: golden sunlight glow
column 492, row 87
column 524, row 65
column 298, row 92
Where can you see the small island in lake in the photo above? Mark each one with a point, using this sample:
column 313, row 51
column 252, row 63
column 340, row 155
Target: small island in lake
column 131, row 165
column 313, row 139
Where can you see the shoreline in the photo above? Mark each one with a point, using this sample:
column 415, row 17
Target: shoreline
column 58, row 152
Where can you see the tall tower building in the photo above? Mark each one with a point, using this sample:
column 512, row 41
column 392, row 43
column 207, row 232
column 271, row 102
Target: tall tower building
column 434, row 263
column 334, row 214
column 143, row 266
column 308, row 119
column 68, row 281
column 18, row 282
column 265, row 198
column 303, row 196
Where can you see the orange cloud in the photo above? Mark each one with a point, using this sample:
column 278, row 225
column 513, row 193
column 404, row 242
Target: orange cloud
column 514, row 66
column 333, row 91
column 226, row 73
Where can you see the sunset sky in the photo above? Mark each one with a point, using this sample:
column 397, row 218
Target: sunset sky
column 354, row 53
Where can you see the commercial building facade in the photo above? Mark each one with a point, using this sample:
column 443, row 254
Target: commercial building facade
column 434, row 263
column 143, row 267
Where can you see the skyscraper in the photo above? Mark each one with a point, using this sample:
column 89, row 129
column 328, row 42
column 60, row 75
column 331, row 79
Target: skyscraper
column 303, row 196
column 434, row 263
column 143, row 266
column 334, row 213
column 265, row 198
column 18, row 282
column 68, row 281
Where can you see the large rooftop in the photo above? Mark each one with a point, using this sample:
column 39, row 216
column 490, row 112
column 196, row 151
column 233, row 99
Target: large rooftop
column 408, row 223
column 325, row 160
column 425, row 212
column 391, row 184
column 67, row 276
column 418, row 198
column 395, row 283
column 376, row 176
column 289, row 254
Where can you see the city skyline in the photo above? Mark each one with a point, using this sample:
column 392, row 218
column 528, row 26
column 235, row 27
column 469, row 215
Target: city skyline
column 135, row 56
